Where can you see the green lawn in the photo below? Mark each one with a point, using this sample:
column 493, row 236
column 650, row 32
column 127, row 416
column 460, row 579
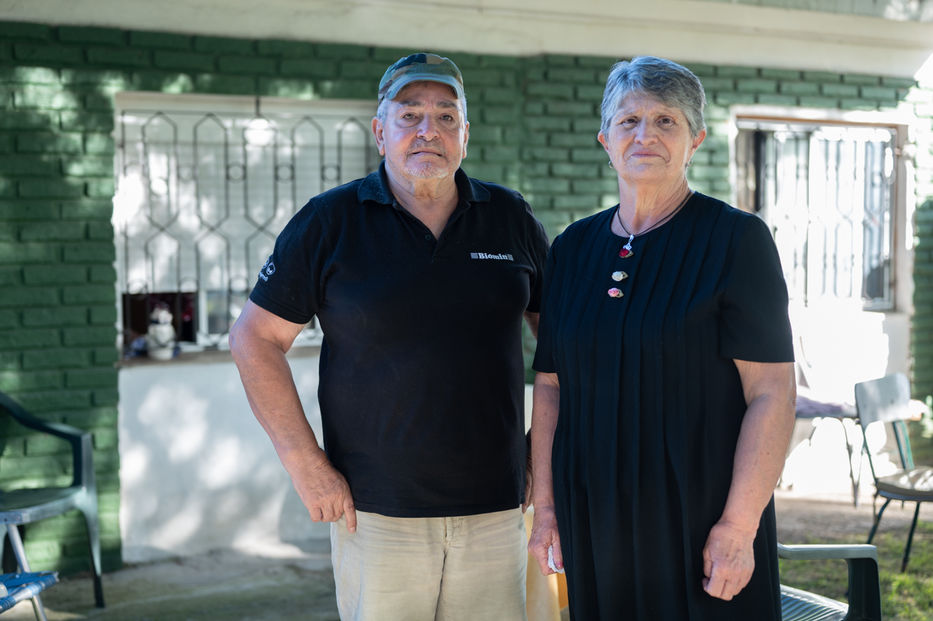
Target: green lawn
column 904, row 596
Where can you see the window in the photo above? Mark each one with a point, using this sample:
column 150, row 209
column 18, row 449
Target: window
column 204, row 185
column 827, row 191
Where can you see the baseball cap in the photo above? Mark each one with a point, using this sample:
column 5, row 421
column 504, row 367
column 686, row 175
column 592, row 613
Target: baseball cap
column 417, row 68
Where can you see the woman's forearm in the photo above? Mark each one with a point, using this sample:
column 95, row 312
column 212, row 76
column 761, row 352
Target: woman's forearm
column 762, row 445
column 545, row 407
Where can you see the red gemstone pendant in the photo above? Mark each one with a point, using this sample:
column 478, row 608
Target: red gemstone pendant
column 626, row 252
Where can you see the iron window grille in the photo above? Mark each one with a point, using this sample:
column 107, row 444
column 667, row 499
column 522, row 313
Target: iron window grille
column 204, row 185
column 828, row 192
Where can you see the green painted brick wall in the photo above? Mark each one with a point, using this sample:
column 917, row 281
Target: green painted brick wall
column 535, row 121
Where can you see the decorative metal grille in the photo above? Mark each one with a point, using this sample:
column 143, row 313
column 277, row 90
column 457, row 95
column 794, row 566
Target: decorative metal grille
column 204, row 185
column 827, row 192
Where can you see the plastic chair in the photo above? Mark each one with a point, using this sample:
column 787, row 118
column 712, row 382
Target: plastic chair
column 864, row 587
column 24, row 506
column 887, row 400
column 15, row 588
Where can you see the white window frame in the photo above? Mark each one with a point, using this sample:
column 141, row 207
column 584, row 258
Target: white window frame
column 903, row 198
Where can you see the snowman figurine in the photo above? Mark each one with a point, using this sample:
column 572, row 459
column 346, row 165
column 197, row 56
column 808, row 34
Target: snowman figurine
column 160, row 339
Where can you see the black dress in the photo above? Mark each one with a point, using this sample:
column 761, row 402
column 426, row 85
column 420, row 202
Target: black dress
column 651, row 404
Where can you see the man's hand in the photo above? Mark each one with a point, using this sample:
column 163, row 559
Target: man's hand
column 325, row 493
column 728, row 560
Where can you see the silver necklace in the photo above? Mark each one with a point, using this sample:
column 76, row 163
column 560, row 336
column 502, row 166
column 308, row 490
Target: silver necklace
column 626, row 250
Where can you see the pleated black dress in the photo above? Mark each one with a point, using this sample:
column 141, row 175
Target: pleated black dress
column 651, row 404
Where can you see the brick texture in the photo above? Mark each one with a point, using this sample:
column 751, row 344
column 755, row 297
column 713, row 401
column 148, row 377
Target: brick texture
column 534, row 119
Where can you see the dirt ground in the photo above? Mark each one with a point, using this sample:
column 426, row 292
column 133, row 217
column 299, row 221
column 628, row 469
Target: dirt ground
column 803, row 519
column 295, row 583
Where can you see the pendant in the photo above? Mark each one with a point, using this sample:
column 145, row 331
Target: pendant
column 627, row 251
column 615, row 293
column 617, row 276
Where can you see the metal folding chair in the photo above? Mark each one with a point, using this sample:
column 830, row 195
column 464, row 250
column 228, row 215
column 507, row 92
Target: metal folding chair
column 886, row 401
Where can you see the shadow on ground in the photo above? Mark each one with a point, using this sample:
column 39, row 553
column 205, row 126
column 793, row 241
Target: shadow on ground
column 294, row 583
column 217, row 586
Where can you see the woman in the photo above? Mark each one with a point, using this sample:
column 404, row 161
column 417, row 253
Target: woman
column 664, row 399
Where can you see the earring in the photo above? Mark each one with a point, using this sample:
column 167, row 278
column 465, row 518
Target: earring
column 610, row 163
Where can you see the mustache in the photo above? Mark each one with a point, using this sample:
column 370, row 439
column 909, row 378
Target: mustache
column 434, row 146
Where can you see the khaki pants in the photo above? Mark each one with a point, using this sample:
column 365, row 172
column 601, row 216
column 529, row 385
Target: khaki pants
column 467, row 568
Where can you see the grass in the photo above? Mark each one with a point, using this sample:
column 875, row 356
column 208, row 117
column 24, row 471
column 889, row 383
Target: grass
column 905, row 596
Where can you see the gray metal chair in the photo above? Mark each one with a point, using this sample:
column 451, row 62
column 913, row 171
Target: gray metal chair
column 887, row 401
column 24, row 506
column 864, row 587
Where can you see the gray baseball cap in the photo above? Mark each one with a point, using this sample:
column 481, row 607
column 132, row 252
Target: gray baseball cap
column 420, row 68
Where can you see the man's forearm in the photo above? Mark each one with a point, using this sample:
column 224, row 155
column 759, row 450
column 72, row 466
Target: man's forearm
column 273, row 397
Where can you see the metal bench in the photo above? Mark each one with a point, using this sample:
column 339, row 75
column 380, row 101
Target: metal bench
column 864, row 589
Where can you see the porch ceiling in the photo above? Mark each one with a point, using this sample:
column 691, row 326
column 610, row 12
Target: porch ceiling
column 686, row 30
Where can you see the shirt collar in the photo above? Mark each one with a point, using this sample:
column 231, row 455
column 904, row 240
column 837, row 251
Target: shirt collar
column 375, row 187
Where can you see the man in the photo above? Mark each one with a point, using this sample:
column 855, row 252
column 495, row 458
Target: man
column 419, row 277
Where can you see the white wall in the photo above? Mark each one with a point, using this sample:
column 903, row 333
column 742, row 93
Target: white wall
column 841, row 344
column 197, row 471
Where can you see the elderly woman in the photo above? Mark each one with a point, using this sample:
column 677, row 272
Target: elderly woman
column 664, row 398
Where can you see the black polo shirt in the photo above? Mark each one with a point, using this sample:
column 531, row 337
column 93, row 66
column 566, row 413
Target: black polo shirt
column 421, row 376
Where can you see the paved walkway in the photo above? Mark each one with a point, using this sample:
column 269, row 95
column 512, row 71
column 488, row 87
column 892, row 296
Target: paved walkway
column 284, row 584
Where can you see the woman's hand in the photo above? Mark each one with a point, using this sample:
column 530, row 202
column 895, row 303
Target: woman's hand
column 728, row 560
column 543, row 536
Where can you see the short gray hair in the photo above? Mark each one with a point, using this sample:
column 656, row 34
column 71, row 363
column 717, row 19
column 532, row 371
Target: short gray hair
column 672, row 84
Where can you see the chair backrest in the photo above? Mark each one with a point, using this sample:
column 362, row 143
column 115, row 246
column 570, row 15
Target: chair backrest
column 80, row 441
column 886, row 400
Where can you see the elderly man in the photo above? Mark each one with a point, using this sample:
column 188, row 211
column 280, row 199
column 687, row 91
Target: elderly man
column 420, row 277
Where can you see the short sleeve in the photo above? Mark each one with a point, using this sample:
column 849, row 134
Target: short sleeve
column 544, row 351
column 754, row 322
column 289, row 283
column 538, row 252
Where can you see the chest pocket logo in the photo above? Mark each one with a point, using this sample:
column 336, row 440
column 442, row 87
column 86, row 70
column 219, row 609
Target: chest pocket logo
column 489, row 256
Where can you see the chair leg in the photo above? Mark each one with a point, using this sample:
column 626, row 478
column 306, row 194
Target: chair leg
column 93, row 541
column 910, row 538
column 854, row 477
column 874, row 527
column 17, row 544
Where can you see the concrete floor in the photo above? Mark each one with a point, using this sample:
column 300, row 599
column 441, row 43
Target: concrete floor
column 272, row 585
